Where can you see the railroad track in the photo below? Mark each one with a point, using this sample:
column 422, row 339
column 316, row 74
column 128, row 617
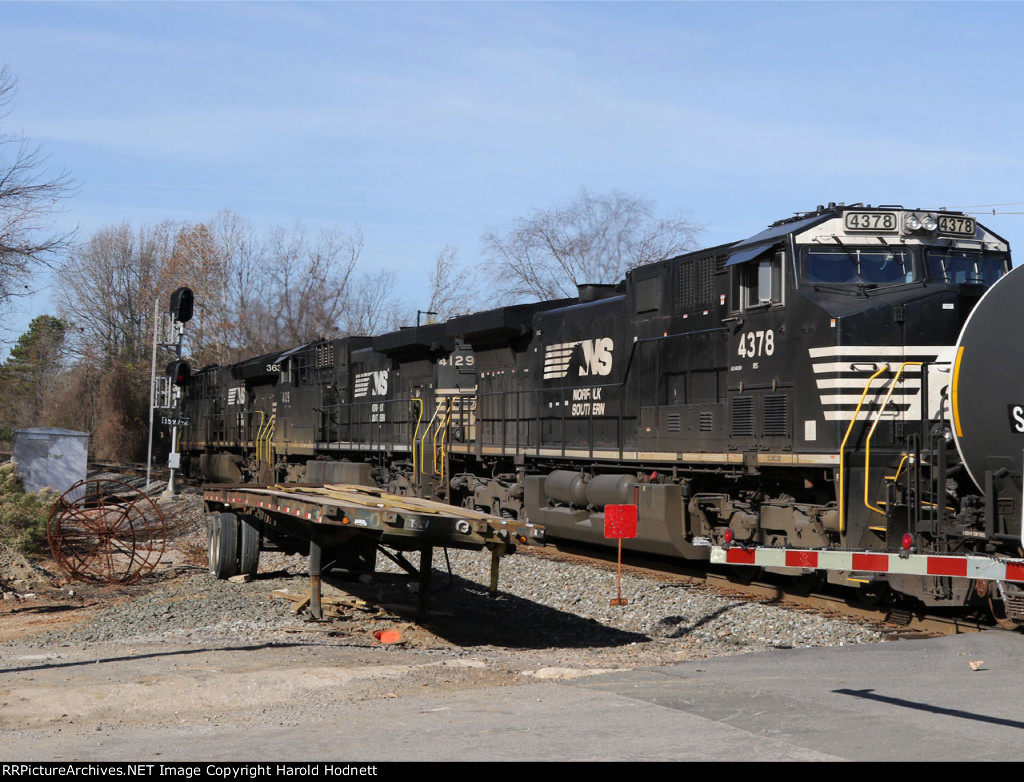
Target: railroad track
column 893, row 618
column 137, row 472
column 127, row 468
column 896, row 619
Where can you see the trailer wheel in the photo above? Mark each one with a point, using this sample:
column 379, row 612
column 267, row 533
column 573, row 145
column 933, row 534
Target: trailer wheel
column 249, row 546
column 223, row 545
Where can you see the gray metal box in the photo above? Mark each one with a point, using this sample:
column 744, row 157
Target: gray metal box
column 49, row 457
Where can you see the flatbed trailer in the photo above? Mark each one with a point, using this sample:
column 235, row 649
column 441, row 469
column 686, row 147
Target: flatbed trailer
column 345, row 526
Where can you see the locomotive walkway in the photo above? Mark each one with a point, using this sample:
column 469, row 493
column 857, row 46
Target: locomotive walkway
column 910, row 700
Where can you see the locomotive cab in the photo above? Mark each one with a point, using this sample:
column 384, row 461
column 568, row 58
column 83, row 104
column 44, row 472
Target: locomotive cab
column 843, row 327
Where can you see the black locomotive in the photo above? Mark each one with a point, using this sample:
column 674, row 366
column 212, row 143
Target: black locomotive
column 791, row 390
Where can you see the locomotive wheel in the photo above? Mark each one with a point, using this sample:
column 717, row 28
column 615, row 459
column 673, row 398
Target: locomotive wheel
column 745, row 574
column 223, row 545
column 806, row 583
column 249, row 546
column 998, row 609
column 872, row 595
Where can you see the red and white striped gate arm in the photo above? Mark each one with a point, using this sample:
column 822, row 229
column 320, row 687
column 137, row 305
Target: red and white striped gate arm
column 957, row 566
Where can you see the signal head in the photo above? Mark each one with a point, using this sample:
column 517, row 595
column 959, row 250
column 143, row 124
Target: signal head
column 180, row 372
column 182, row 301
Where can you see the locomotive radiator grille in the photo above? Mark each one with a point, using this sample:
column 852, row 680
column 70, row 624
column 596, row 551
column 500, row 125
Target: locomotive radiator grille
column 325, row 355
column 776, row 415
column 742, row 409
column 695, row 283
column 673, row 424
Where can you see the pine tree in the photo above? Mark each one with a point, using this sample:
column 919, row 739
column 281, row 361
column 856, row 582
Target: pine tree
column 29, row 374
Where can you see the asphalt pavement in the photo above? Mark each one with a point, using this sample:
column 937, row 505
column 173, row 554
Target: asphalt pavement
column 948, row 699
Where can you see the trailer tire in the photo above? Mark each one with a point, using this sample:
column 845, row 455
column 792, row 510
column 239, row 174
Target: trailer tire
column 223, row 545
column 249, row 545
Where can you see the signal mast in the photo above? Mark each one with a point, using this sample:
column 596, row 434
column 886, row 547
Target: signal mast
column 166, row 391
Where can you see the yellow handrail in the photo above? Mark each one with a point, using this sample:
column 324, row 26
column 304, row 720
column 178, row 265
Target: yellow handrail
column 842, row 449
column 426, row 433
column 899, row 469
column 415, row 435
column 263, row 437
column 270, row 437
column 878, row 418
column 439, row 450
column 259, row 435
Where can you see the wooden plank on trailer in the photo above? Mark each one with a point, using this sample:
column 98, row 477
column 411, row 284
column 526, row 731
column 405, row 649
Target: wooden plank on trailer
column 357, row 494
column 367, row 497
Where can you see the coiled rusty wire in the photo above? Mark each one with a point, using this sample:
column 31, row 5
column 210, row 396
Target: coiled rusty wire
column 106, row 532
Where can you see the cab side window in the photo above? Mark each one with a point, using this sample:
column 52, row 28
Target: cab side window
column 758, row 283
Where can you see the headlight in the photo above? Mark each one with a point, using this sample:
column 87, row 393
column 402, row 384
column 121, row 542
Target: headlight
column 929, row 223
column 913, row 222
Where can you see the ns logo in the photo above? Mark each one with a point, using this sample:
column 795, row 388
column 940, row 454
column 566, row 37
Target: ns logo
column 583, row 358
column 371, row 383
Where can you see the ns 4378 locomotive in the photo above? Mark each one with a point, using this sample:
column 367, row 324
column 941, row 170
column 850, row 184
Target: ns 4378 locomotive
column 832, row 396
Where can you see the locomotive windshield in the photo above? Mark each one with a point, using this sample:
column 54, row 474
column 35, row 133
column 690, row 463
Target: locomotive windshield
column 958, row 265
column 858, row 265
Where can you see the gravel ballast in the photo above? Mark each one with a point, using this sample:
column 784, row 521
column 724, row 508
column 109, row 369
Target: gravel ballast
column 549, row 612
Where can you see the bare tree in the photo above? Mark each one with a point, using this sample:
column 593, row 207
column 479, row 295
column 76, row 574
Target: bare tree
column 312, row 281
column 223, row 263
column 107, row 289
column 108, row 286
column 257, row 294
column 242, row 301
column 453, row 288
column 253, row 295
column 197, row 262
column 592, row 239
column 370, row 307
column 29, row 198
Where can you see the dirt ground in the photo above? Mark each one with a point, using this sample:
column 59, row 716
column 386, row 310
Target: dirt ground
column 59, row 694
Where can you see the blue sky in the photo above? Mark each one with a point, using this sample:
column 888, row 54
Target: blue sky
column 429, row 123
